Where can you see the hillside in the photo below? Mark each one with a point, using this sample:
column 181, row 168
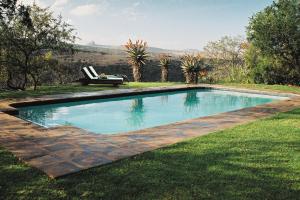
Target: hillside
column 119, row 50
column 113, row 60
column 103, row 55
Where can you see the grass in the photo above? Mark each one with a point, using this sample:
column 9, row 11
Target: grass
column 61, row 89
column 260, row 160
column 278, row 88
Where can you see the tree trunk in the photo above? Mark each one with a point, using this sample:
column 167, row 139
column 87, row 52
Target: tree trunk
column 137, row 73
column 23, row 86
column 61, row 80
column 35, row 81
column 189, row 78
column 25, row 71
column 164, row 74
column 196, row 76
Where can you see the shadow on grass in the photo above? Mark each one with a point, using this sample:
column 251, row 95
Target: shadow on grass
column 295, row 114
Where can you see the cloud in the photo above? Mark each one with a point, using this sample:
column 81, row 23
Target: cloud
column 89, row 9
column 60, row 3
column 83, row 10
column 136, row 4
column 132, row 12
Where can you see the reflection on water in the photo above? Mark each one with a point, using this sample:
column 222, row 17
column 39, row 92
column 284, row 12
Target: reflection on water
column 142, row 111
column 137, row 113
column 164, row 99
column 191, row 101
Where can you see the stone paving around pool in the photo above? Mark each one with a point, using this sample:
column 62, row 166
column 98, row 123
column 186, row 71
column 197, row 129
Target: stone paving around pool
column 64, row 150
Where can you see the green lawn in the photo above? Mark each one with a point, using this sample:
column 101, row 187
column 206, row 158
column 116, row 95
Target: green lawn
column 60, row 89
column 260, row 160
column 279, row 88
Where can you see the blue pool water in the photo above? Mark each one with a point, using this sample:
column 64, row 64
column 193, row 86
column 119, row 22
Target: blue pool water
column 114, row 115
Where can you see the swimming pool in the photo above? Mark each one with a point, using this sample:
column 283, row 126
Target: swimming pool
column 123, row 114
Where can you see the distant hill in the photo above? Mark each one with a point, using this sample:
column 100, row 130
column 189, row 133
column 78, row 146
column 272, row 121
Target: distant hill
column 108, row 55
column 113, row 60
column 120, row 50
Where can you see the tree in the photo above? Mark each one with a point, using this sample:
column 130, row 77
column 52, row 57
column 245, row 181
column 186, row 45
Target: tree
column 265, row 69
column 164, row 62
column 275, row 32
column 226, row 56
column 39, row 65
column 191, row 66
column 10, row 9
column 226, row 52
column 25, row 48
column 7, row 9
column 137, row 56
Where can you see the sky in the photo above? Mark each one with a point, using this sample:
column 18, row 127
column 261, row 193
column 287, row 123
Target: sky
column 169, row 24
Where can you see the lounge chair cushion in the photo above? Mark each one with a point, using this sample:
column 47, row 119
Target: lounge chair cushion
column 88, row 74
column 93, row 71
column 112, row 77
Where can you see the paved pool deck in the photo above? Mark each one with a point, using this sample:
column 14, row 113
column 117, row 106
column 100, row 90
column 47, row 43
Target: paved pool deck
column 64, row 150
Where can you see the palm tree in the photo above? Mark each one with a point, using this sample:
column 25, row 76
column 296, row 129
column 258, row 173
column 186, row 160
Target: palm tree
column 137, row 56
column 191, row 66
column 164, row 62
